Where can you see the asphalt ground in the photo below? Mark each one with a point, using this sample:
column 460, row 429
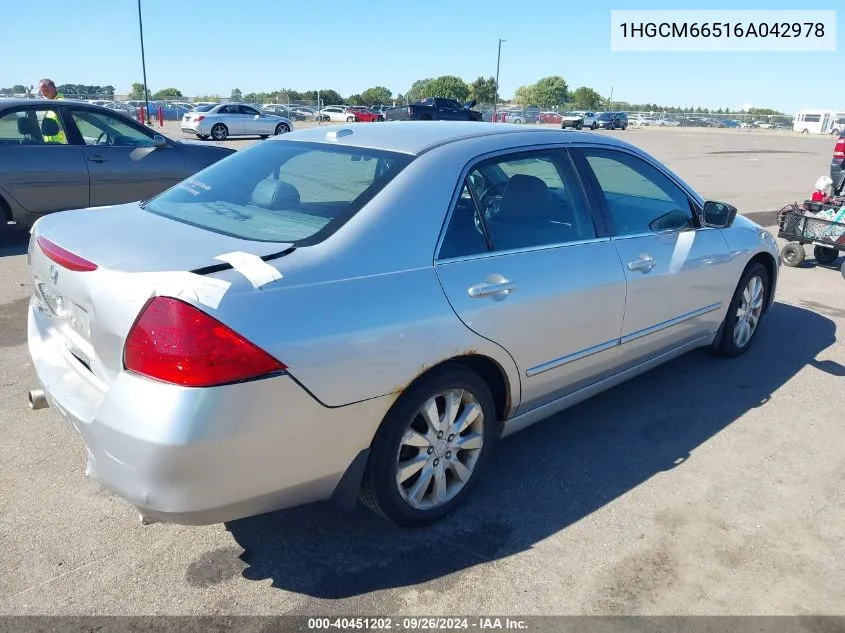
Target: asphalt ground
column 703, row 487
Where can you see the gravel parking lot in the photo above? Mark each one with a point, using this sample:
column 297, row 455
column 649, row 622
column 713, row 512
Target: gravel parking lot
column 703, row 487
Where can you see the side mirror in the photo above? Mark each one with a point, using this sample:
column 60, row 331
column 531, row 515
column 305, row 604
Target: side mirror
column 719, row 215
column 159, row 141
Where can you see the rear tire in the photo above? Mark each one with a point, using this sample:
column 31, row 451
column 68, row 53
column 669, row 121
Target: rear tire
column 578, row 126
column 792, row 254
column 825, row 255
column 219, row 132
column 745, row 312
column 350, row 119
column 282, row 128
column 202, row 137
column 405, row 437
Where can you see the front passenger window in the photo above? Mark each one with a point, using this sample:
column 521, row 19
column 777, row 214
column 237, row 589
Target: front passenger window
column 639, row 198
column 98, row 128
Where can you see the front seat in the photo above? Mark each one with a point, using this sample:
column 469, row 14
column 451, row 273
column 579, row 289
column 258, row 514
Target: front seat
column 50, row 129
column 25, row 129
column 524, row 214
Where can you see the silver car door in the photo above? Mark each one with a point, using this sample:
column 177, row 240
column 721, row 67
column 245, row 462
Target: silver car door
column 523, row 264
column 39, row 168
column 253, row 122
column 680, row 277
column 231, row 117
column 123, row 162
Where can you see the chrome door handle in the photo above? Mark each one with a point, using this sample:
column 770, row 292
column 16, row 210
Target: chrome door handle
column 496, row 289
column 643, row 263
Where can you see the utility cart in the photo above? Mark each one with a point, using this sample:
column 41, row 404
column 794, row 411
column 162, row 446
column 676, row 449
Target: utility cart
column 799, row 229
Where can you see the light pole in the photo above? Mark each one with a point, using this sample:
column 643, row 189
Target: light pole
column 496, row 92
column 144, row 65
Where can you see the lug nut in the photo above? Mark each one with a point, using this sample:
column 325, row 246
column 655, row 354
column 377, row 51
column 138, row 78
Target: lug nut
column 436, row 462
column 448, row 454
column 451, row 436
column 439, row 434
column 430, row 450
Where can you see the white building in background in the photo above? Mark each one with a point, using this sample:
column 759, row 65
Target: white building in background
column 819, row 121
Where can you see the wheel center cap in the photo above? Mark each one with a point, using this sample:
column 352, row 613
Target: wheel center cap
column 440, row 448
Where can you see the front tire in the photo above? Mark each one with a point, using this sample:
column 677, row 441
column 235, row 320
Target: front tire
column 431, row 448
column 282, row 128
column 202, row 137
column 350, row 119
column 825, row 255
column 792, row 254
column 745, row 312
column 219, row 132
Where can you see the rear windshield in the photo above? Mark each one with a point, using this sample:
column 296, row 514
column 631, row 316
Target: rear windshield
column 205, row 108
column 281, row 191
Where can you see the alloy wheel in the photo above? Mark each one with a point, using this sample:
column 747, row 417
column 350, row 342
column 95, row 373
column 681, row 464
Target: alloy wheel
column 439, row 450
column 748, row 313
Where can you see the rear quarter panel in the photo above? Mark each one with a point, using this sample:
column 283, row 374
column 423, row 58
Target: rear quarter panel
column 358, row 338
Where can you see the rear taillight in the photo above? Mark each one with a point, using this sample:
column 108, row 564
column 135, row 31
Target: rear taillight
column 839, row 149
column 177, row 343
column 64, row 257
column 199, row 117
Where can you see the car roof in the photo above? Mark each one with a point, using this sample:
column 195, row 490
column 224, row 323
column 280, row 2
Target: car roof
column 417, row 137
column 14, row 103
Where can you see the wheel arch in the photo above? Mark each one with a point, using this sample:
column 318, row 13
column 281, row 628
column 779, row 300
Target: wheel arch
column 771, row 266
column 488, row 369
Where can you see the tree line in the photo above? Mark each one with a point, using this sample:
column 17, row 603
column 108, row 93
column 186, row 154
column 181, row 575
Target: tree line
column 551, row 92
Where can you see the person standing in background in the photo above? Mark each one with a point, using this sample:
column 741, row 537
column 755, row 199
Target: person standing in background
column 47, row 89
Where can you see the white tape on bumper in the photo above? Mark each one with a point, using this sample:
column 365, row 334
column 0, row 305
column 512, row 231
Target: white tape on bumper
column 255, row 269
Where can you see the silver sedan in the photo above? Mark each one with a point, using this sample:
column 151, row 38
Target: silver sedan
column 361, row 312
column 222, row 120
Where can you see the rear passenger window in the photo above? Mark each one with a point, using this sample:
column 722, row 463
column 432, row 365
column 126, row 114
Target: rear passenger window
column 524, row 200
column 465, row 235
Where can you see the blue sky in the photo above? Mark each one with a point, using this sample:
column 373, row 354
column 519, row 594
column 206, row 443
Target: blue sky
column 351, row 45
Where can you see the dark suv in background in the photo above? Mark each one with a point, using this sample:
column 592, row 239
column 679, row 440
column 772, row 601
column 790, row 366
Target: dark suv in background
column 612, row 121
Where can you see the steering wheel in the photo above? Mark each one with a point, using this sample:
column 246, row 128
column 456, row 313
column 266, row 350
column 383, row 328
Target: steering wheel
column 101, row 137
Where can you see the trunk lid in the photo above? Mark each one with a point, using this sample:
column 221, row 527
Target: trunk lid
column 136, row 254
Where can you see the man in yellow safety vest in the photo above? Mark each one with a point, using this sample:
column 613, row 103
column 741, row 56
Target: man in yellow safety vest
column 47, row 89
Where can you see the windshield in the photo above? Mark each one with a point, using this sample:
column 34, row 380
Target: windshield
column 605, row 115
column 281, row 191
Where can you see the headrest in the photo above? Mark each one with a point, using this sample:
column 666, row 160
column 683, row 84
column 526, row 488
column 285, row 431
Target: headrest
column 49, row 127
column 24, row 126
column 525, row 198
column 275, row 194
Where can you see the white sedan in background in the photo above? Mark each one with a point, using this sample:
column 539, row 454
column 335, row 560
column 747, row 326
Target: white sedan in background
column 337, row 113
column 222, row 120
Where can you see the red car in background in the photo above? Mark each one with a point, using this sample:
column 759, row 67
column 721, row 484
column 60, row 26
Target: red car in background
column 550, row 117
column 365, row 115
